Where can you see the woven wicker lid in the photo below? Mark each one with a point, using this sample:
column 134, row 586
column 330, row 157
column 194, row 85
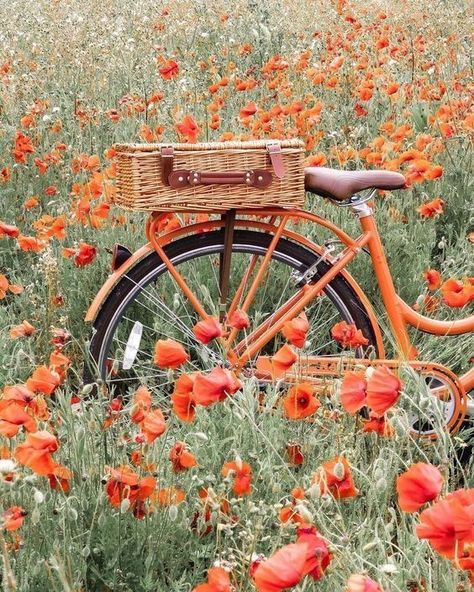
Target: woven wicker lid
column 234, row 145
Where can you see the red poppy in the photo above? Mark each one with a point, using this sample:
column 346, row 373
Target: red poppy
column 449, row 523
column 433, row 278
column 218, row 580
column 60, row 478
column 334, row 476
column 420, row 484
column 35, row 452
column 242, row 476
column 181, row 458
column 353, row 392
column 300, row 401
column 183, row 398
column 169, row 70
column 189, row 129
column 456, row 293
column 43, row 380
column 239, row 319
column 295, row 453
column 13, row 416
column 123, row 484
column 282, row 570
column 169, row 496
column 317, row 556
column 248, row 110
column 378, row 425
column 296, row 330
column 348, row 335
column 24, row 330
column 13, row 518
column 153, row 425
column 383, row 390
column 362, row 583
column 8, row 230
column 214, row 386
column 207, row 330
column 431, row 208
column 141, row 404
column 170, row 354
column 279, row 364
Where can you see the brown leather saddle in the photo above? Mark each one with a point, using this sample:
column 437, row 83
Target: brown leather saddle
column 341, row 185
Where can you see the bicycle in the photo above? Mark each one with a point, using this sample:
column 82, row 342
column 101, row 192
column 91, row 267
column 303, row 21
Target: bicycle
column 252, row 261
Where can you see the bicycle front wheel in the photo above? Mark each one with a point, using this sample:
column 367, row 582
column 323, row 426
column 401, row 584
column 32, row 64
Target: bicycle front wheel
column 147, row 305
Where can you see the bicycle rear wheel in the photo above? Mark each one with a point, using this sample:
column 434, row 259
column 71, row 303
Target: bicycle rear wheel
column 146, row 305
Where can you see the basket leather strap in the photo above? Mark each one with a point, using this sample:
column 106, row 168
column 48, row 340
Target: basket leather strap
column 276, row 158
column 253, row 178
column 167, row 157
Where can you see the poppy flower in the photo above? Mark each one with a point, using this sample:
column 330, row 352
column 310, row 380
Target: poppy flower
column 181, row 458
column 348, row 335
column 207, row 330
column 35, row 452
column 277, row 365
column 169, row 354
column 239, row 319
column 433, row 278
column 431, row 208
column 12, row 417
column 189, row 129
column 296, row 330
column 378, row 425
column 248, row 110
column 214, row 386
column 60, row 478
column 8, row 230
column 153, row 425
column 183, row 398
column 456, row 293
column 448, row 524
column 169, row 70
column 43, row 380
column 318, row 556
column 13, row 518
column 466, row 561
column 218, row 580
column 295, row 453
column 353, row 392
column 124, row 483
column 362, row 583
column 242, row 476
column 383, row 390
column 318, row 159
column 334, row 477
column 420, row 484
column 169, row 496
column 282, row 570
column 30, row 243
column 300, row 401
column 24, row 330
column 141, row 404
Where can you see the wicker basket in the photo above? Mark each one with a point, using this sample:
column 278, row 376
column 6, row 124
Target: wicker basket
column 215, row 176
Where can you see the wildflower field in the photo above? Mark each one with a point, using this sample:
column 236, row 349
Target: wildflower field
column 207, row 481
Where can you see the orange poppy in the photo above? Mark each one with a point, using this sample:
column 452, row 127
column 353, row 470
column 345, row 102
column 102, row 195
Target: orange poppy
column 348, row 335
column 30, row 243
column 181, row 458
column 207, row 330
column 124, row 483
column 362, row 583
column 43, row 380
column 242, row 476
column 153, row 425
column 169, row 70
column 214, row 386
column 296, row 330
column 334, row 477
column 300, row 401
column 433, row 279
column 431, row 208
column 383, row 390
column 318, row 159
column 456, row 293
column 183, row 399
column 60, row 478
column 353, row 392
column 8, row 230
column 218, row 580
column 24, row 330
column 170, row 354
column 188, row 129
column 282, row 570
column 35, row 452
column 278, row 364
column 12, row 417
column 141, row 404
column 449, row 524
column 249, row 110
column 421, row 483
column 295, row 453
column 239, row 319
column 13, row 518
column 378, row 425
column 169, row 496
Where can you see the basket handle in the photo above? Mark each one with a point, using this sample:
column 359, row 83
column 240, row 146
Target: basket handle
column 253, row 178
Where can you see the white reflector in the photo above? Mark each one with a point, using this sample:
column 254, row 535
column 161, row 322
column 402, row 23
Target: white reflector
column 133, row 343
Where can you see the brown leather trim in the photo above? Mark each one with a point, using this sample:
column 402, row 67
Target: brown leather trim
column 256, row 178
column 276, row 158
column 167, row 157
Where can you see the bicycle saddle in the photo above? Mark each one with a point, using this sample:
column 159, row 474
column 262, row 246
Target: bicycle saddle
column 341, row 185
